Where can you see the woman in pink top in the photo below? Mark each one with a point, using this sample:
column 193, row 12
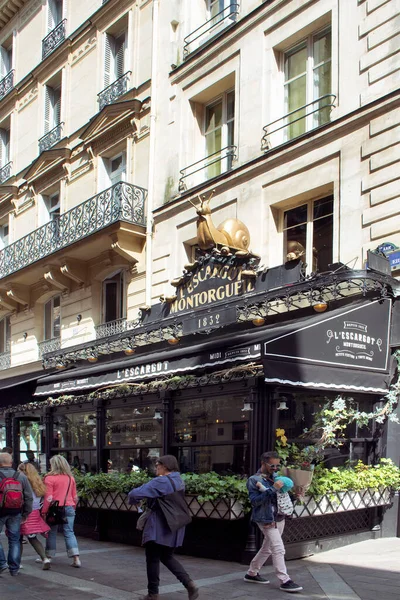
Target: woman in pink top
column 61, row 486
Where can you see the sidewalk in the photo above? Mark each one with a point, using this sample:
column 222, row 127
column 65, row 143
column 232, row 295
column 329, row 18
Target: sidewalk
column 365, row 571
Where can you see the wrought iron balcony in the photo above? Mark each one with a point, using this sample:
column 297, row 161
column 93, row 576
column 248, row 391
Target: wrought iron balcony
column 51, row 138
column 112, row 327
column 5, row 357
column 298, row 121
column 114, row 91
column 5, row 172
column 53, row 39
column 7, row 84
column 121, row 202
column 202, row 34
column 51, row 345
column 208, row 167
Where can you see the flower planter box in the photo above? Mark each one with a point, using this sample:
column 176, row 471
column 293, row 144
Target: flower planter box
column 226, row 508
column 342, row 501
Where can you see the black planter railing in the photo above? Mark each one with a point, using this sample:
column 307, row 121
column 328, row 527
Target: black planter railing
column 5, row 172
column 51, row 138
column 211, row 166
column 7, row 84
column 199, row 36
column 53, row 39
column 51, row 345
column 121, row 202
column 114, row 90
column 113, row 327
column 311, row 115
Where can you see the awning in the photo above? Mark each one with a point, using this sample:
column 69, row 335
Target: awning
column 346, row 349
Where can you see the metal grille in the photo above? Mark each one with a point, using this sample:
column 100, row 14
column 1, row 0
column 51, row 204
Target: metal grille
column 310, row 528
column 121, row 202
column 5, row 360
column 51, row 138
column 7, row 84
column 50, row 345
column 53, row 39
column 202, row 34
column 5, row 172
column 225, row 157
column 114, row 91
column 112, row 327
column 337, row 502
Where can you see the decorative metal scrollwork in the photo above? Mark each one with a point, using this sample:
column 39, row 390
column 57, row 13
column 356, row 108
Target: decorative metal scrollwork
column 114, row 91
column 51, row 138
column 7, row 84
column 5, row 172
column 53, row 39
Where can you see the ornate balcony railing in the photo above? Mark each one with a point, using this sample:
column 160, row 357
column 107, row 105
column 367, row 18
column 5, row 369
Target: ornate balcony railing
column 299, row 121
column 112, row 327
column 51, row 138
column 226, row 17
column 53, row 39
column 5, row 357
column 114, row 91
column 212, row 165
column 121, row 202
column 51, row 345
column 7, row 84
column 5, row 172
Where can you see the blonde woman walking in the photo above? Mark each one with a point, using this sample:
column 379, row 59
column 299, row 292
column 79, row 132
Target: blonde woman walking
column 34, row 524
column 61, row 486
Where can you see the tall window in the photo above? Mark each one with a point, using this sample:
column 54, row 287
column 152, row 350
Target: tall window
column 52, row 204
column 5, row 335
column 5, row 59
column 4, row 146
column 219, row 9
column 52, row 318
column 54, row 14
column 114, row 57
column 308, row 233
column 114, row 298
column 52, row 108
column 307, row 72
column 4, row 235
column 219, row 133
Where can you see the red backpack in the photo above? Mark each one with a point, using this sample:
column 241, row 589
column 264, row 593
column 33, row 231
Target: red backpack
column 11, row 494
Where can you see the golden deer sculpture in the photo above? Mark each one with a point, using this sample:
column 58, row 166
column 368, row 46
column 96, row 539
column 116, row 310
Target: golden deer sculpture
column 231, row 234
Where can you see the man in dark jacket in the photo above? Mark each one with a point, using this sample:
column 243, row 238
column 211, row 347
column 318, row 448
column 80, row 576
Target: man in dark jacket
column 262, row 492
column 13, row 518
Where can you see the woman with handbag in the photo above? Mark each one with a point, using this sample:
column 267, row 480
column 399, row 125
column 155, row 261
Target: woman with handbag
column 164, row 525
column 34, row 524
column 59, row 508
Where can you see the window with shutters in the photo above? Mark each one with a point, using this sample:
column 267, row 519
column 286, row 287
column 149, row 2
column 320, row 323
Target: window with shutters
column 114, row 57
column 52, row 318
column 5, row 334
column 114, row 298
column 4, row 235
column 54, row 13
column 4, row 146
column 52, row 108
column 6, row 59
column 53, row 206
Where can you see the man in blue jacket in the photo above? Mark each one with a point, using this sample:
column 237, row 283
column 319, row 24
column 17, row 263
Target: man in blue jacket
column 262, row 492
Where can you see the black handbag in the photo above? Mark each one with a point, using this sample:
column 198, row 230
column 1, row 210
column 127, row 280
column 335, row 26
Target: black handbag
column 174, row 508
column 56, row 513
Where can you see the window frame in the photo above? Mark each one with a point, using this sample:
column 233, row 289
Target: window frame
column 50, row 303
column 309, row 256
column 5, row 335
column 121, row 301
column 225, row 163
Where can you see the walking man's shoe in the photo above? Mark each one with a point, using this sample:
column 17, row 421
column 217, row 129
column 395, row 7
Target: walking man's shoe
column 3, row 569
column 193, row 591
column 255, row 578
column 290, row 586
column 150, row 597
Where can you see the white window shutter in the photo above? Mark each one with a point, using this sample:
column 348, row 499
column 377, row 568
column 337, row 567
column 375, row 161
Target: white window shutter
column 2, row 163
column 120, row 56
column 108, row 44
column 4, row 60
column 56, row 107
column 47, row 108
column 51, row 15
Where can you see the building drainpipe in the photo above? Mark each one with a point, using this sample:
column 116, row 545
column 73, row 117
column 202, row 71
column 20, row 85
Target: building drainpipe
column 152, row 144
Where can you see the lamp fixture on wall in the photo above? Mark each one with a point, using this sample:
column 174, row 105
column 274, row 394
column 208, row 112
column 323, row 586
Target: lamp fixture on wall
column 247, row 407
column 91, row 421
column 282, row 404
column 25, row 336
column 258, row 321
column 92, row 358
column 157, row 414
column 173, row 341
column 320, row 307
column 79, row 318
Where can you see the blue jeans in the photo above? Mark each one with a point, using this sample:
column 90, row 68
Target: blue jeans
column 68, row 530
column 13, row 525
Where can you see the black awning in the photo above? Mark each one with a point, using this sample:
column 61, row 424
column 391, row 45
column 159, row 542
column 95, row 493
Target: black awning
column 20, row 379
column 346, row 349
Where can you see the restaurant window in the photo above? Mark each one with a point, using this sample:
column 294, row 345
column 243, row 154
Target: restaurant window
column 219, row 131
column 308, row 234
column 301, row 406
column 211, row 434
column 52, row 318
column 5, row 335
column 74, row 437
column 114, row 298
column 307, row 79
column 133, row 438
column 29, row 439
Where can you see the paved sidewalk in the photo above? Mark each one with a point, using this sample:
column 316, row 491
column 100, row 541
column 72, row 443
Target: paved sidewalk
column 365, row 571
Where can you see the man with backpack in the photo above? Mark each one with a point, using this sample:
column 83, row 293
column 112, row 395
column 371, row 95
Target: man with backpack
column 15, row 505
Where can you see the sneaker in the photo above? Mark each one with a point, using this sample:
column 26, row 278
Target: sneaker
column 38, row 560
column 14, row 573
column 46, row 564
column 193, row 591
column 77, row 563
column 255, row 579
column 290, row 586
column 3, row 569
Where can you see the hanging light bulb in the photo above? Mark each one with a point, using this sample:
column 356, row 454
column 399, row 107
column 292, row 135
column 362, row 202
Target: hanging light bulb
column 320, row 307
column 247, row 407
column 282, row 405
column 258, row 321
column 157, row 414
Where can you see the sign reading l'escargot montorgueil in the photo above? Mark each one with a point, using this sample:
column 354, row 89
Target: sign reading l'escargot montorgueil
column 224, row 268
